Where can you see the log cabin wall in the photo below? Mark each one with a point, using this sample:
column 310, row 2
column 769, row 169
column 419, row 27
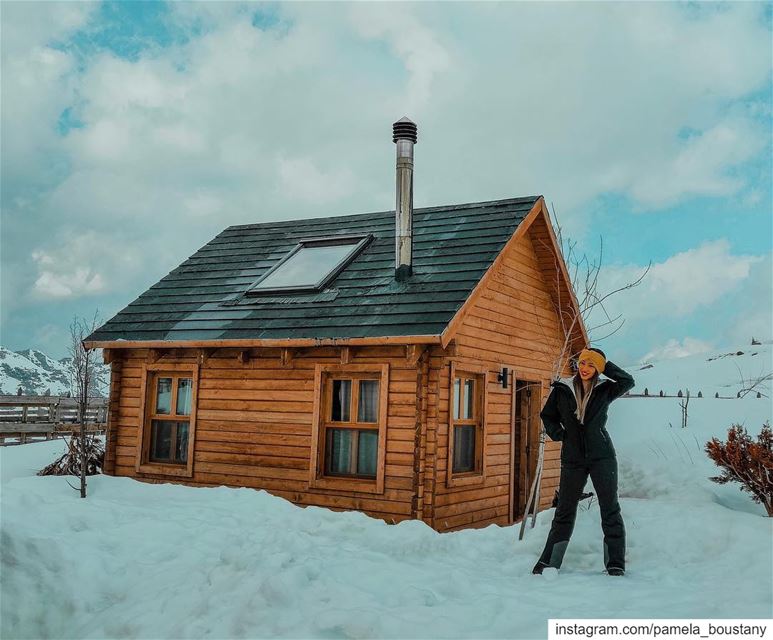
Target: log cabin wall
column 254, row 423
column 513, row 324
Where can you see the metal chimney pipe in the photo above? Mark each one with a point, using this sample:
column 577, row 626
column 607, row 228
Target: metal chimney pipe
column 404, row 135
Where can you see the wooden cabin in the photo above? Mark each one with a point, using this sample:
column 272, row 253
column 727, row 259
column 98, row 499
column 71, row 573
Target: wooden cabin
column 356, row 362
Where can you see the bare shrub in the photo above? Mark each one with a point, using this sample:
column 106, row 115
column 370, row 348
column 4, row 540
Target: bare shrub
column 69, row 464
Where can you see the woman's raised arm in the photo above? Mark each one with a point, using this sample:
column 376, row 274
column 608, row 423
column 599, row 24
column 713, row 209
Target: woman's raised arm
column 622, row 381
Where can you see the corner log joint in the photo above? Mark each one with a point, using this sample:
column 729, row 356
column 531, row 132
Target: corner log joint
column 203, row 355
column 109, row 356
column 413, row 353
column 154, row 355
column 286, row 356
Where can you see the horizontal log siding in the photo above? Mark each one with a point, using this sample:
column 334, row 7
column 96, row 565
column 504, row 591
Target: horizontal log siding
column 541, row 238
column 254, row 425
column 513, row 324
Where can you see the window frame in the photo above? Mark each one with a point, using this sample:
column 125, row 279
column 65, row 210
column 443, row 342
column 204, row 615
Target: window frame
column 481, row 377
column 324, row 374
column 150, row 374
column 361, row 242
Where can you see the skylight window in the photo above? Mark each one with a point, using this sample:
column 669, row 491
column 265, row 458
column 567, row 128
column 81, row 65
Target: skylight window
column 310, row 265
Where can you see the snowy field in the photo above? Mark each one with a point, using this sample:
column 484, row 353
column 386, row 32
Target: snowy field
column 135, row 560
column 713, row 372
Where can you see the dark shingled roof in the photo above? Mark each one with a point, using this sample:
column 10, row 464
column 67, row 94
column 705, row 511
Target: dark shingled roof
column 204, row 298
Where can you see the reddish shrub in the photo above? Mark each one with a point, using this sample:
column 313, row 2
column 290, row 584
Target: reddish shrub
column 746, row 461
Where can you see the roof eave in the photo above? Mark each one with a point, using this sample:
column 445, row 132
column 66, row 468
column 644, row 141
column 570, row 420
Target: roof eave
column 250, row 343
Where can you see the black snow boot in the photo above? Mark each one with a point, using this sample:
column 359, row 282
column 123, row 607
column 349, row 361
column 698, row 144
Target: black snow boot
column 615, row 571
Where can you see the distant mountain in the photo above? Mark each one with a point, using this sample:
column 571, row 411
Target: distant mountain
column 36, row 373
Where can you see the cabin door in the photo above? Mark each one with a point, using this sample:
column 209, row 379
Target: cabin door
column 525, row 435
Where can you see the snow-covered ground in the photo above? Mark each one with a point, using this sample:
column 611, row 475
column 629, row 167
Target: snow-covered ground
column 135, row 560
column 718, row 371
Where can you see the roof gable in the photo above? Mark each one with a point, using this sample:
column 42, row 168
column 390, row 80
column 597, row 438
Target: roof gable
column 204, row 298
column 554, row 273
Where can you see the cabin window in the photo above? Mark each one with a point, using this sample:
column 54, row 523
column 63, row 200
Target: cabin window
column 169, row 419
column 310, row 265
column 466, row 437
column 467, row 423
column 349, row 427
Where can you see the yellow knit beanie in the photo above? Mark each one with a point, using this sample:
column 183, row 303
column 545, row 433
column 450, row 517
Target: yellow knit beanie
column 594, row 357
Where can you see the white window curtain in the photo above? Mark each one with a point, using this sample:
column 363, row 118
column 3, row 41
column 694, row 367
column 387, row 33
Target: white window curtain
column 368, row 402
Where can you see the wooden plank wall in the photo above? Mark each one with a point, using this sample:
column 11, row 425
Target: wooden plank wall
column 512, row 324
column 254, row 425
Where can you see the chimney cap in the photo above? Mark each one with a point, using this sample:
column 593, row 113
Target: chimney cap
column 404, row 129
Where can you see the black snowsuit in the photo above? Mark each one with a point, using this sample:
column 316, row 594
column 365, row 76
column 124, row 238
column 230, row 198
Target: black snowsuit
column 587, row 450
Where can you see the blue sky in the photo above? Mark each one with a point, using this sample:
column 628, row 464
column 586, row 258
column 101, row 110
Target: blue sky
column 132, row 132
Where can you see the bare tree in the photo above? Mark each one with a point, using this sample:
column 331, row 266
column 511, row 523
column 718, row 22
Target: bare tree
column 751, row 384
column 85, row 454
column 583, row 272
column 84, row 383
column 683, row 405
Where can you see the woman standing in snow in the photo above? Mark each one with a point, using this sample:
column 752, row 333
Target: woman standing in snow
column 576, row 414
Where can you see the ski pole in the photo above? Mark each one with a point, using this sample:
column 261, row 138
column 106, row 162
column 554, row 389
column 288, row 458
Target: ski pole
column 534, row 492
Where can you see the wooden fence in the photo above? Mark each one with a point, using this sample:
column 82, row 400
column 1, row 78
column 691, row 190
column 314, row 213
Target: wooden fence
column 25, row 418
column 692, row 396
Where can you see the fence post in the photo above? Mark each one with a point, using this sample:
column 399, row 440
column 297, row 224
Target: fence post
column 24, row 413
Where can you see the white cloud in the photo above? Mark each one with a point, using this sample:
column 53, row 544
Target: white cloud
column 81, row 265
column 709, row 293
column 680, row 285
column 415, row 44
column 599, row 109
column 676, row 349
column 300, row 179
column 201, row 203
column 753, row 306
column 585, row 99
column 699, row 165
column 38, row 84
column 82, row 281
column 27, row 27
column 698, row 277
column 61, row 275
